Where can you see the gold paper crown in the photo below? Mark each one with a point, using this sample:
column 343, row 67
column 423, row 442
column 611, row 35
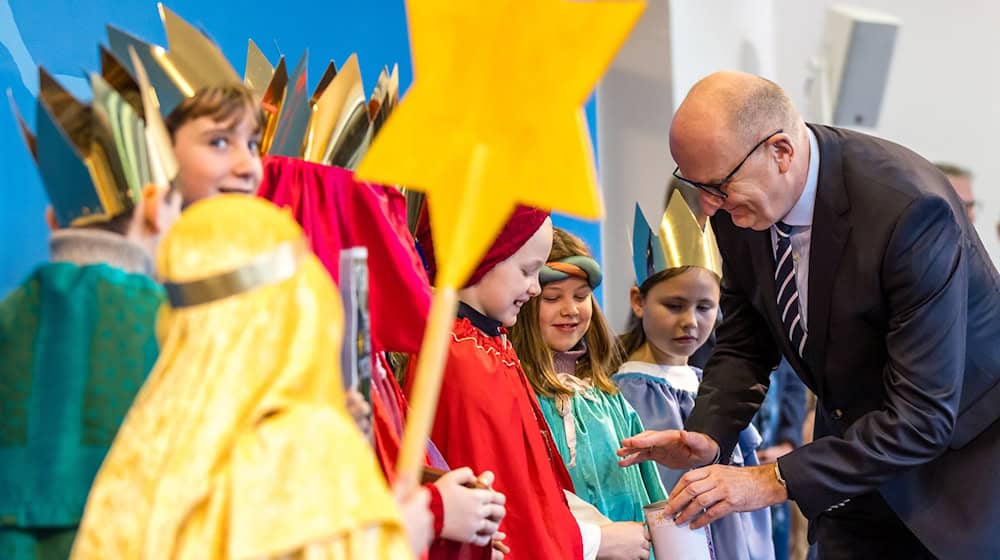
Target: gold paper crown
column 682, row 241
column 94, row 159
column 192, row 64
column 333, row 125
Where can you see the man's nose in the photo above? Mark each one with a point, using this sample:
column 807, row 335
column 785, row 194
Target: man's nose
column 709, row 203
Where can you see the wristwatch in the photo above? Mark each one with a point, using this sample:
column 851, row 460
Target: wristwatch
column 777, row 474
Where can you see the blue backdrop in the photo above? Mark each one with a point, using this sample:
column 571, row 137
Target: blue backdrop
column 62, row 35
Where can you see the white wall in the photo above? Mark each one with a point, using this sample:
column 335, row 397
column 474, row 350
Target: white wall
column 676, row 43
column 943, row 95
column 942, row 98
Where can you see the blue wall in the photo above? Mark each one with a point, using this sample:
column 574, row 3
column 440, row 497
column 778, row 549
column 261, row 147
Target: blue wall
column 63, row 36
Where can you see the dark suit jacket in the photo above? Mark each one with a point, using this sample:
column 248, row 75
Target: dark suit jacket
column 903, row 348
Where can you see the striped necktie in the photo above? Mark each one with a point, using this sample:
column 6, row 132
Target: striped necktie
column 788, row 294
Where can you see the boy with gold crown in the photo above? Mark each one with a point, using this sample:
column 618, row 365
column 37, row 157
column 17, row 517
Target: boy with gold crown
column 93, row 322
column 675, row 303
column 213, row 121
column 77, row 336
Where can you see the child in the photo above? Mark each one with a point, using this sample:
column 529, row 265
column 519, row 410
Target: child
column 214, row 121
column 216, row 137
column 566, row 350
column 239, row 445
column 488, row 417
column 337, row 211
column 674, row 308
column 77, row 336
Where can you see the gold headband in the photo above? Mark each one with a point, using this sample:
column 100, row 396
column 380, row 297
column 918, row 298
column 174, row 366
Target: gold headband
column 277, row 265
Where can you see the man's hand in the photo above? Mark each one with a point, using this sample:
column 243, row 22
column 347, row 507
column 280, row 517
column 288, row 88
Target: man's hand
column 675, row 449
column 627, row 540
column 719, row 490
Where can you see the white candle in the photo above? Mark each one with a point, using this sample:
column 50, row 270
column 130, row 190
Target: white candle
column 671, row 542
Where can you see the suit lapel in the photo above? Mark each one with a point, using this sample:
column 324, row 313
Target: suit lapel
column 828, row 237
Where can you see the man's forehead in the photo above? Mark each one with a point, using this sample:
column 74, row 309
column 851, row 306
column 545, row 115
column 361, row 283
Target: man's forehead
column 703, row 154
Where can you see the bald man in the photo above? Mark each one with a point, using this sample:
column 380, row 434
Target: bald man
column 853, row 258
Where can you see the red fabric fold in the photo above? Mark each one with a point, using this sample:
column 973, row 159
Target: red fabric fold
column 336, row 212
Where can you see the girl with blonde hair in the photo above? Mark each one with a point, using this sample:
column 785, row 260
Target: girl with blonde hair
column 567, row 350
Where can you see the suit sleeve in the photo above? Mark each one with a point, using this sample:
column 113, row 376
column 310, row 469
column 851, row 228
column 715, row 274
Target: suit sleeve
column 737, row 374
column 925, row 284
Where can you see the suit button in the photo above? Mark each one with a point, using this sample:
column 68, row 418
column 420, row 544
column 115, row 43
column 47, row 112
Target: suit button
column 837, row 414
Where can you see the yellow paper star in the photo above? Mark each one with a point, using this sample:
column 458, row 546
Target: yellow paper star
column 494, row 116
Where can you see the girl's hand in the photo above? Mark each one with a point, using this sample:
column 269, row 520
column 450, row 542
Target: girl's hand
column 414, row 507
column 470, row 515
column 624, row 541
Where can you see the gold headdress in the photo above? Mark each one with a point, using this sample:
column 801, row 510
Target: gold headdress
column 682, row 241
column 333, row 124
column 94, row 158
column 193, row 62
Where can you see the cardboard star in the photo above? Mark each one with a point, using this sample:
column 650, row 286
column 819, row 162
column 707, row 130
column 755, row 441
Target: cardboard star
column 494, row 116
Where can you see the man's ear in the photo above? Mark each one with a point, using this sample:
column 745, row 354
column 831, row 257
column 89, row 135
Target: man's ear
column 784, row 151
column 50, row 218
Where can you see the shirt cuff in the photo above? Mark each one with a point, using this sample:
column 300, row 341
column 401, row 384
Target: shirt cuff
column 715, row 461
column 436, row 506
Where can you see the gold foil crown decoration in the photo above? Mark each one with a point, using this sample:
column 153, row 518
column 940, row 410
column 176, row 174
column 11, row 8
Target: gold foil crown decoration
column 680, row 241
column 93, row 158
column 192, row 64
column 333, row 124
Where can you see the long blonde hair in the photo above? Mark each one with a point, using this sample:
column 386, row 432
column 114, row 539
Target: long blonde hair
column 536, row 356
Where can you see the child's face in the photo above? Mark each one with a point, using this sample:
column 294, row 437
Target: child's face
column 510, row 284
column 217, row 157
column 564, row 312
column 678, row 314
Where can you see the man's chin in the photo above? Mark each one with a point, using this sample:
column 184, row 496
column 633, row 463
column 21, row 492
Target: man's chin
column 750, row 221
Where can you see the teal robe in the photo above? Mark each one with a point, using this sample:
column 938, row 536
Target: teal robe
column 601, row 421
column 76, row 344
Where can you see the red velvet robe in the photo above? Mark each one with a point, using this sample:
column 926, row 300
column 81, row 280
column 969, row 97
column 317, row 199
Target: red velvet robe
column 488, row 418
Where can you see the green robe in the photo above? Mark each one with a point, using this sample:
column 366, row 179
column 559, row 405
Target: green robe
column 601, row 421
column 76, row 344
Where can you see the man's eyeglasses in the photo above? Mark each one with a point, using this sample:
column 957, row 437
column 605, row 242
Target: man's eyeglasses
column 715, row 189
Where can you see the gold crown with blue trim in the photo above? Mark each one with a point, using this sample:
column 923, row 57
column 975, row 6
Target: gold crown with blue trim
column 332, row 124
column 682, row 241
column 94, row 159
